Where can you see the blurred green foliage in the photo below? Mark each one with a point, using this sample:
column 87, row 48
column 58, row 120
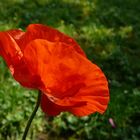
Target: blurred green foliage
column 109, row 32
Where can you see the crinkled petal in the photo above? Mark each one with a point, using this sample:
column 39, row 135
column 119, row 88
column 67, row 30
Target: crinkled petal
column 39, row 31
column 93, row 104
column 52, row 109
column 49, row 107
column 9, row 49
column 16, row 34
column 13, row 56
column 69, row 78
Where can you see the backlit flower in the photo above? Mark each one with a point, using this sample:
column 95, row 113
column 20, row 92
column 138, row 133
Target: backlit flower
column 43, row 58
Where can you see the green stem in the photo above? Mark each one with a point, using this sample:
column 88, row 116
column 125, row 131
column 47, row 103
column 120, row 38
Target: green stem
column 32, row 116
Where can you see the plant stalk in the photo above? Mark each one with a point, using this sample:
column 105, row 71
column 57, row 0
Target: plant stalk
column 32, row 116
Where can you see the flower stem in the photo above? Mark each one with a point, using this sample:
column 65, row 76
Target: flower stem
column 32, row 116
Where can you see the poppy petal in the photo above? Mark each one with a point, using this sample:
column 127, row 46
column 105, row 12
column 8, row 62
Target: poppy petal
column 69, row 78
column 13, row 56
column 39, row 31
column 52, row 109
column 49, row 107
column 16, row 34
column 9, row 49
column 92, row 105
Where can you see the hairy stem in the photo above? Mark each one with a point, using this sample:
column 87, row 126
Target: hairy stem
column 32, row 116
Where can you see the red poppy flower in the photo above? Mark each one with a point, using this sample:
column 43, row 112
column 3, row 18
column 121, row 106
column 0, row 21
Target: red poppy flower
column 45, row 59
